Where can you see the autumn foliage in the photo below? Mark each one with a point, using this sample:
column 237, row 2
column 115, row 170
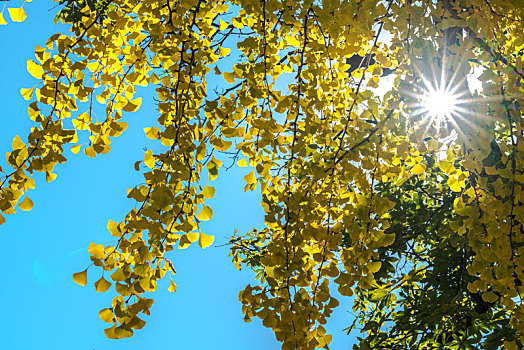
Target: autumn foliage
column 418, row 216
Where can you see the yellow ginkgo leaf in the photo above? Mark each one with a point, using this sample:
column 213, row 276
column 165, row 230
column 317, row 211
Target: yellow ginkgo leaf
column 205, row 240
column 192, row 236
column 50, row 176
column 118, row 275
column 222, row 24
column 27, row 93
column 26, row 204
column 212, row 168
column 17, row 14
column 102, row 285
column 35, row 69
column 418, row 169
column 113, row 228
column 90, row 152
column 2, row 19
column 76, row 149
column 208, row 192
column 106, row 315
column 250, row 178
column 149, row 159
column 242, row 163
column 80, row 277
column 229, row 77
column 96, row 250
column 133, row 105
column 110, row 332
column 224, row 52
column 17, row 143
column 205, row 214
column 172, row 287
column 121, row 332
column 454, row 184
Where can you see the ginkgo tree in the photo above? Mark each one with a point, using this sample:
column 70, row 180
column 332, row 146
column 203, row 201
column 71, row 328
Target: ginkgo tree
column 381, row 173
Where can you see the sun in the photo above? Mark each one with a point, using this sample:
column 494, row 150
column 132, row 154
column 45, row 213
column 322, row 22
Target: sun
column 439, row 104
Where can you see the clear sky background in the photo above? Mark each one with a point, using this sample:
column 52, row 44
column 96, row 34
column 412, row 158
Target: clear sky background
column 43, row 308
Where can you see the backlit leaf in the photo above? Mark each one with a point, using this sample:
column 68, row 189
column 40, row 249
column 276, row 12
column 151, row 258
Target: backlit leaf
column 205, row 240
column 102, row 285
column 35, row 69
column 26, row 205
column 27, row 93
column 17, row 143
column 106, row 315
column 149, row 159
column 242, row 163
column 250, row 178
column 418, row 169
column 80, row 277
column 208, row 192
column 205, row 214
column 75, row 149
column 97, row 251
column 50, row 176
column 118, row 275
column 113, row 228
column 17, row 14
column 192, row 236
column 172, row 287
column 222, row 24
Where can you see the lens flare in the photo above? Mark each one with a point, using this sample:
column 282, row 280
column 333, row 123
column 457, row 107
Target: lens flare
column 439, row 103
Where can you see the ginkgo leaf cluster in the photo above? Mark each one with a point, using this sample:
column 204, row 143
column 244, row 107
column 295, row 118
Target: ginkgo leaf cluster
column 354, row 181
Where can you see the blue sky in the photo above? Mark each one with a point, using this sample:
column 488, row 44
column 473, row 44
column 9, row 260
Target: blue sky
column 42, row 307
